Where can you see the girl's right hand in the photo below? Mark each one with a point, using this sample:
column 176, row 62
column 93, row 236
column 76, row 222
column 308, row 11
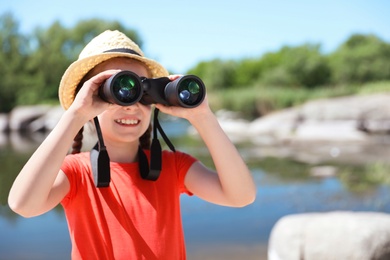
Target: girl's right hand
column 87, row 102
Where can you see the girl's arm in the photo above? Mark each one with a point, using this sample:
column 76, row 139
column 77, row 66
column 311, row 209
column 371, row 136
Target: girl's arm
column 232, row 183
column 33, row 192
column 41, row 184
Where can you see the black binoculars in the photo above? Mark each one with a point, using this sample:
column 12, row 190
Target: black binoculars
column 126, row 88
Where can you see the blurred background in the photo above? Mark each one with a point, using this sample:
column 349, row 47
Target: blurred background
column 326, row 62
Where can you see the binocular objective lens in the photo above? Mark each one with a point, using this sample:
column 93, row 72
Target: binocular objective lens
column 190, row 92
column 124, row 89
column 193, row 87
column 184, row 95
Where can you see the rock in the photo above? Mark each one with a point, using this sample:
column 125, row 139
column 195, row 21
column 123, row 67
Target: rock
column 47, row 121
column 375, row 126
column 346, row 119
column 371, row 113
column 235, row 129
column 332, row 235
column 357, row 107
column 3, row 122
column 330, row 130
column 234, row 126
column 323, row 171
column 352, row 119
column 21, row 117
column 274, row 127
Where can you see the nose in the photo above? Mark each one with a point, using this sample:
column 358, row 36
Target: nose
column 132, row 107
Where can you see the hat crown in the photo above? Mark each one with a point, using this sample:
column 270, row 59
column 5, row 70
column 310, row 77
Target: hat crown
column 105, row 46
column 107, row 41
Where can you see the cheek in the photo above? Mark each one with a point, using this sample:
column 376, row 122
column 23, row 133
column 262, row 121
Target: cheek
column 148, row 116
column 104, row 116
column 147, row 110
column 102, row 124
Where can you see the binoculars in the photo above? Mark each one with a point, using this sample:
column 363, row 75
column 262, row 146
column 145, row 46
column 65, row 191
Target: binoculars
column 126, row 88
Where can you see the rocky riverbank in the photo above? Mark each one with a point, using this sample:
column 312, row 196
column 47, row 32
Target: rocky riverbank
column 344, row 119
column 345, row 126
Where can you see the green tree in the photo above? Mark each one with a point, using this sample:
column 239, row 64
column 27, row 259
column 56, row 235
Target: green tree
column 45, row 65
column 362, row 58
column 13, row 55
column 296, row 66
column 216, row 74
column 248, row 72
column 53, row 50
column 32, row 66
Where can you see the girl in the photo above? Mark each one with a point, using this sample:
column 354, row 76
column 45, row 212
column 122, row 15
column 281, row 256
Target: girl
column 133, row 218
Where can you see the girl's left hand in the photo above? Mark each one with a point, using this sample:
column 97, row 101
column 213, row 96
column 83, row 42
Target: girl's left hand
column 187, row 113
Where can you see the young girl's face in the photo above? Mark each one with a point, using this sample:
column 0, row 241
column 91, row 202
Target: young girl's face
column 121, row 125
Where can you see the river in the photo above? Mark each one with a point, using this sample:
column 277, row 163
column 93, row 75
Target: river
column 284, row 186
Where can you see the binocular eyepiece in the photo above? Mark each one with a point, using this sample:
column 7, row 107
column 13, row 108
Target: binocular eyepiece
column 126, row 88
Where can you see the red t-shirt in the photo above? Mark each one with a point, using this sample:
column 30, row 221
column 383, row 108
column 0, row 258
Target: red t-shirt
column 133, row 218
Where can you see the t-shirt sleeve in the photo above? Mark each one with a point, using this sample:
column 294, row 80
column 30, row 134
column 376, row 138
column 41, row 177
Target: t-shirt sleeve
column 183, row 163
column 71, row 168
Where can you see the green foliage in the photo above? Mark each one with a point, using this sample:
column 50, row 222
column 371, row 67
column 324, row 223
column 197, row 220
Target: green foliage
column 296, row 66
column 362, row 58
column 294, row 75
column 216, row 74
column 32, row 66
column 258, row 100
column 13, row 56
column 359, row 179
column 247, row 72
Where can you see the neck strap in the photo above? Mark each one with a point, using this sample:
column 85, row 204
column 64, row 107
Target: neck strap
column 100, row 160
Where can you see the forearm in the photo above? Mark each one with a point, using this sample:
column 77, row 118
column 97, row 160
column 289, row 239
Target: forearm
column 236, row 180
column 32, row 186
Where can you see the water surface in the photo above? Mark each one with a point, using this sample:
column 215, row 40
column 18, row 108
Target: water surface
column 284, row 187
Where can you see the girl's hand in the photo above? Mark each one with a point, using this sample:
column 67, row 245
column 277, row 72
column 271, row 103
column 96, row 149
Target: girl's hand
column 190, row 114
column 87, row 101
column 232, row 183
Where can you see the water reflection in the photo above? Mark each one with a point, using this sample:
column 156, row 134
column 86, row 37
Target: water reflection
column 285, row 185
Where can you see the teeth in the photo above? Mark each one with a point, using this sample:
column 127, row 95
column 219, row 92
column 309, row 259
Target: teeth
column 127, row 121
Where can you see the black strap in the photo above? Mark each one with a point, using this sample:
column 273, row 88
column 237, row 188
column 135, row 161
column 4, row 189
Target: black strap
column 100, row 160
column 124, row 50
column 154, row 171
column 156, row 124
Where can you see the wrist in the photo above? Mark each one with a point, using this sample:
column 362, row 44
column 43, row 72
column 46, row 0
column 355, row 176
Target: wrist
column 202, row 119
column 75, row 117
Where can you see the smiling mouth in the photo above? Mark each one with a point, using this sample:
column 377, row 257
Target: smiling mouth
column 127, row 121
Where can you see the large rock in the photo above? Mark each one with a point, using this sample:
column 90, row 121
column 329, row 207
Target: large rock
column 329, row 131
column 47, row 121
column 3, row 122
column 346, row 119
column 21, row 117
column 357, row 107
column 331, row 236
column 275, row 127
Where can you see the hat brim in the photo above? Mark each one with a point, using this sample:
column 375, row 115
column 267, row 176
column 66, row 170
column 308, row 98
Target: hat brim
column 78, row 69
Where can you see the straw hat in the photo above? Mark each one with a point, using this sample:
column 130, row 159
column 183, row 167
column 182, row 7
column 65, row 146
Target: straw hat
column 107, row 45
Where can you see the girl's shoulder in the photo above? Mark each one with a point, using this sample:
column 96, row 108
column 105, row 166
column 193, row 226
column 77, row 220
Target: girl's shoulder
column 80, row 161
